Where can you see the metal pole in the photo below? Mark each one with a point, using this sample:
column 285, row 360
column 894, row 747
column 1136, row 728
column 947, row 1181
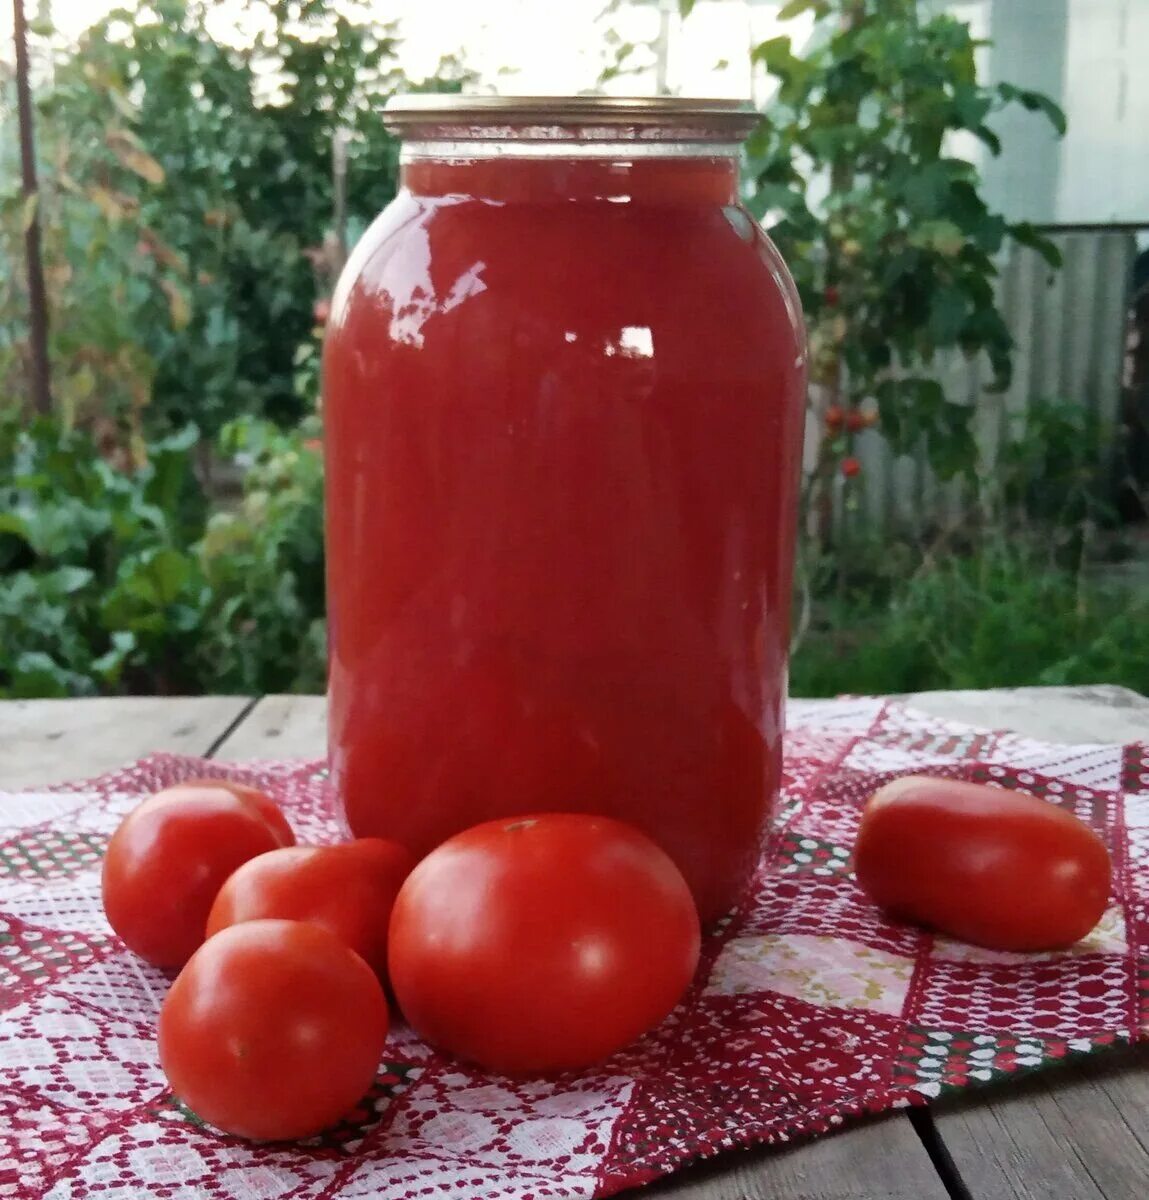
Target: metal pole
column 662, row 48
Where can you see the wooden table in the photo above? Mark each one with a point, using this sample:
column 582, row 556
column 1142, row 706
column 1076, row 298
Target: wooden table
column 1077, row 1134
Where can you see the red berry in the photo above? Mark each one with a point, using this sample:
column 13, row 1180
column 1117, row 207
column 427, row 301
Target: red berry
column 834, row 417
column 850, row 467
column 855, row 421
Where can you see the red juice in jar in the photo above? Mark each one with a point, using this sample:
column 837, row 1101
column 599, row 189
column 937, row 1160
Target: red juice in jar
column 563, row 398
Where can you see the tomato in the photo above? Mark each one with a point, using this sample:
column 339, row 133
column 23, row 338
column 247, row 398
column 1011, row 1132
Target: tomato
column 540, row 944
column 834, row 417
column 260, row 801
column 169, row 858
column 851, row 467
column 997, row 868
column 855, row 420
column 348, row 889
column 273, row 1030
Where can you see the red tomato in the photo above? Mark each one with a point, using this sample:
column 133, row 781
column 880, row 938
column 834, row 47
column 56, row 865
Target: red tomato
column 260, row 801
column 169, row 858
column 348, row 889
column 273, row 1030
column 997, row 868
column 542, row 944
column 855, row 420
column 834, row 417
column 851, row 467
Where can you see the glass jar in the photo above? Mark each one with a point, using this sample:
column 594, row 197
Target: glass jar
column 563, row 400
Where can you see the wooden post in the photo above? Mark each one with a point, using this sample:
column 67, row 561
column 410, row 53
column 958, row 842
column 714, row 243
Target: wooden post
column 37, row 298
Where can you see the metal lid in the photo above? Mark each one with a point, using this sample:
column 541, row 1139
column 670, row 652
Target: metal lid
column 422, row 114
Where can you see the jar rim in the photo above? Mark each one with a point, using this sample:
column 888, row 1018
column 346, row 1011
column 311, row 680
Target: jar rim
column 448, row 114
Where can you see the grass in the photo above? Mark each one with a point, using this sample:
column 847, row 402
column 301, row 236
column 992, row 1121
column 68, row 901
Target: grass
column 1002, row 617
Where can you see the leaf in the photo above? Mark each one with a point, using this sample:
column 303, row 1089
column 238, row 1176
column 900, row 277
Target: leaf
column 178, row 304
column 126, row 148
column 16, row 525
column 948, row 309
column 925, row 191
column 123, row 104
column 776, row 56
column 158, row 576
column 943, row 236
column 38, row 674
column 114, row 205
column 110, row 664
column 1028, row 235
column 990, row 139
column 685, row 8
column 67, row 580
column 796, row 8
column 31, row 207
column 1035, row 102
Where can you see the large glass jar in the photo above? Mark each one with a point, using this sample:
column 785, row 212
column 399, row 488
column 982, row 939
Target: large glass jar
column 563, row 402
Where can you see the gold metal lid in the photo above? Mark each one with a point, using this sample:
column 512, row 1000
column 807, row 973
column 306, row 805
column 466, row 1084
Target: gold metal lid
column 418, row 114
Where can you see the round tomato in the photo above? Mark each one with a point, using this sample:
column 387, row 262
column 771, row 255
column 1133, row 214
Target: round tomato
column 260, row 801
column 273, row 1030
column 541, row 944
column 169, row 858
column 348, row 889
column 997, row 868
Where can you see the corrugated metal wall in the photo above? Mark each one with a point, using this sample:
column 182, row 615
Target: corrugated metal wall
column 1069, row 330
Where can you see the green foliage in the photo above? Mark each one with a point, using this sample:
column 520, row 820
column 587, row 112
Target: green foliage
column 263, row 561
column 889, row 238
column 999, row 618
column 188, row 197
column 1049, row 472
column 114, row 581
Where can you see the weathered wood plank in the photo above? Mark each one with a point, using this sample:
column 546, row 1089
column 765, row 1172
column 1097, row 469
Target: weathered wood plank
column 1058, row 714
column 51, row 741
column 880, row 1158
column 1077, row 1134
column 280, row 727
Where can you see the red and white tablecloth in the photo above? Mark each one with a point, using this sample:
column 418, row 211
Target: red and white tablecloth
column 810, row 1008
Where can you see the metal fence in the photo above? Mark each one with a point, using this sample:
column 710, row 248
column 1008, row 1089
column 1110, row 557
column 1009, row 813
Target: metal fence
column 1068, row 327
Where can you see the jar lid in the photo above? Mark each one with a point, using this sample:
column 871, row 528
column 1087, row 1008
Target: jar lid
column 432, row 114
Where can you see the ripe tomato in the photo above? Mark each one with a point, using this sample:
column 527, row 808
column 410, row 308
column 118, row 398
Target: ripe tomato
column 169, row 858
column 855, row 420
column 541, row 944
column 851, row 467
column 260, row 801
column 997, row 868
column 834, row 417
column 348, row 889
column 273, row 1030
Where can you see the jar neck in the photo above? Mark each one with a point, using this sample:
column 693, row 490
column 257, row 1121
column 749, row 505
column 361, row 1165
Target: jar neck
column 558, row 176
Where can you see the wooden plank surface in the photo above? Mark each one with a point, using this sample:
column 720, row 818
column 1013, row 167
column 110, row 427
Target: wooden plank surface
column 279, row 727
column 1080, row 1133
column 51, row 741
column 1055, row 714
column 879, row 1159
